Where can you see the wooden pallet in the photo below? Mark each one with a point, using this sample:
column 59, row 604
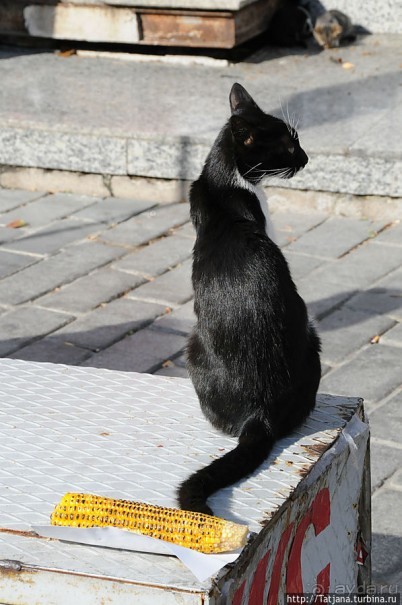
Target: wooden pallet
column 136, row 24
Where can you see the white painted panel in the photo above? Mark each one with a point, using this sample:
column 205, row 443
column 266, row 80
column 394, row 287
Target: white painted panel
column 93, row 24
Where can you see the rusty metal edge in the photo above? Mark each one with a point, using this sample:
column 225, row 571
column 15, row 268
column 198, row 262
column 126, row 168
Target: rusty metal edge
column 10, row 566
column 364, row 512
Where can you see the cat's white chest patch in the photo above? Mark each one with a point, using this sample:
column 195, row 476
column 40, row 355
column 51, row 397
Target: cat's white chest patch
column 262, row 198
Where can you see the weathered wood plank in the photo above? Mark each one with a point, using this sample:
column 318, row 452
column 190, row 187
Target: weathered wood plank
column 214, row 29
column 185, row 28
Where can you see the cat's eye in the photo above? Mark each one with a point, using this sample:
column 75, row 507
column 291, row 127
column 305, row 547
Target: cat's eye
column 291, row 149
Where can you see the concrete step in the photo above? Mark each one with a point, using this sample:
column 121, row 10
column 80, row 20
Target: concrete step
column 158, row 119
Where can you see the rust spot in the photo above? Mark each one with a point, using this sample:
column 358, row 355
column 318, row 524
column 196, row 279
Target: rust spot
column 11, row 567
column 19, row 532
column 265, row 521
column 268, row 515
column 26, row 579
column 317, row 448
column 345, row 413
column 303, row 470
column 289, row 462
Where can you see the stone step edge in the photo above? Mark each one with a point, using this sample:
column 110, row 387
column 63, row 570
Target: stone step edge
column 353, row 171
column 371, row 207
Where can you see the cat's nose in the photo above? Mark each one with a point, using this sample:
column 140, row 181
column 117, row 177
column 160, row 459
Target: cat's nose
column 303, row 158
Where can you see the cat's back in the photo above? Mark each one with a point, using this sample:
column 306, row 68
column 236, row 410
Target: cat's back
column 237, row 268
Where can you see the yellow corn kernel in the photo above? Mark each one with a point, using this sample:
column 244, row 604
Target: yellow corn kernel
column 200, row 532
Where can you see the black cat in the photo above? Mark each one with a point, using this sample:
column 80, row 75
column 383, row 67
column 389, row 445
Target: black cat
column 253, row 356
column 291, row 24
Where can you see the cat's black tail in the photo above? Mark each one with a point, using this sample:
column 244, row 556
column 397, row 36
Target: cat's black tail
column 255, row 443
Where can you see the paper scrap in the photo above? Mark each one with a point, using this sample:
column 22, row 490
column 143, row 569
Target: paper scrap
column 201, row 565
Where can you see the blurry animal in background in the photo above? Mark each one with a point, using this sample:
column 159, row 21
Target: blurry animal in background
column 332, row 28
column 291, row 25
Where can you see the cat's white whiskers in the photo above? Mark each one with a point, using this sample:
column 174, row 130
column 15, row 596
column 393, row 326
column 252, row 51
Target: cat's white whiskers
column 295, row 125
column 287, row 112
column 289, row 122
column 276, row 170
column 291, row 119
column 285, row 116
column 252, row 168
column 278, row 174
column 282, row 112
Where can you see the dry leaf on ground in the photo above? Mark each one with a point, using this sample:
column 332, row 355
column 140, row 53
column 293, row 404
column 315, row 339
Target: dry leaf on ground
column 17, row 223
column 66, row 53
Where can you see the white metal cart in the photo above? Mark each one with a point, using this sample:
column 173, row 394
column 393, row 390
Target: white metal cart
column 137, row 436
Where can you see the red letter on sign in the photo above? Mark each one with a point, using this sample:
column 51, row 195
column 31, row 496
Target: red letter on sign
column 319, row 516
column 277, row 569
column 237, row 599
column 257, row 588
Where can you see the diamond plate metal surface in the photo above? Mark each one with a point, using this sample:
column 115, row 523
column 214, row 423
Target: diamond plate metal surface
column 127, row 435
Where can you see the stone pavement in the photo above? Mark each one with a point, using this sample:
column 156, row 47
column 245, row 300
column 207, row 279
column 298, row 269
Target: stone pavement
column 106, row 283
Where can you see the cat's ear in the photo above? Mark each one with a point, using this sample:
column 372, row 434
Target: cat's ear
column 240, row 99
column 242, row 131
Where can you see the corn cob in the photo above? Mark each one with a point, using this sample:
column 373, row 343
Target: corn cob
column 200, row 532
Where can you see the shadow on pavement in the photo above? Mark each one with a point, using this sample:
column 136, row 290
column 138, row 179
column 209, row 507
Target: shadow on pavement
column 77, row 346
column 372, row 302
column 331, row 104
column 387, row 562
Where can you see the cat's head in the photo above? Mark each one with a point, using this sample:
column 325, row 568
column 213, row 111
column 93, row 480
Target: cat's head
column 264, row 145
column 327, row 31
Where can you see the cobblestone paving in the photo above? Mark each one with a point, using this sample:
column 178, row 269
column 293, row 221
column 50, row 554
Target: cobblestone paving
column 106, row 283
